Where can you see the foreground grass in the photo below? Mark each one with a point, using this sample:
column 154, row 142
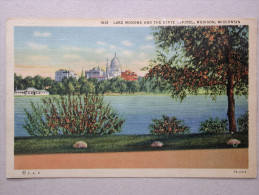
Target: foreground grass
column 124, row 143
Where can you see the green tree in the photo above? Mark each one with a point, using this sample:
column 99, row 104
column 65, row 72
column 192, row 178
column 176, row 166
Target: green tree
column 82, row 80
column 29, row 82
column 60, row 88
column 22, row 86
column 135, row 86
column 113, row 87
column 54, row 90
column 42, row 86
column 77, row 87
column 87, row 87
column 121, row 85
column 91, row 88
column 65, row 82
column 71, row 88
column 17, row 82
column 211, row 58
column 129, row 86
column 100, row 87
column 48, row 81
column 38, row 82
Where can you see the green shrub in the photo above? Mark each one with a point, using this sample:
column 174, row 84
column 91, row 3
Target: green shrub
column 242, row 123
column 214, row 126
column 76, row 115
column 35, row 123
column 168, row 126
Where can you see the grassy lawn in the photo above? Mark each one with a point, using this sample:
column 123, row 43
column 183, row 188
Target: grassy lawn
column 123, row 143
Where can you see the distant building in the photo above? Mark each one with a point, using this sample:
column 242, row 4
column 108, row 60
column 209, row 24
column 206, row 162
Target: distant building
column 60, row 74
column 95, row 73
column 115, row 68
column 99, row 78
column 129, row 76
column 31, row 91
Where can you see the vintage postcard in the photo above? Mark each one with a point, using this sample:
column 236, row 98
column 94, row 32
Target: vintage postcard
column 131, row 98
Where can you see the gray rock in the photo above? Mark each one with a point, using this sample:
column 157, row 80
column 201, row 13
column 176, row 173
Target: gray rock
column 80, row 144
column 157, row 144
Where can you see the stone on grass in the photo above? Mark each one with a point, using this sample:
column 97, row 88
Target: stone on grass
column 234, row 142
column 157, row 144
column 80, row 144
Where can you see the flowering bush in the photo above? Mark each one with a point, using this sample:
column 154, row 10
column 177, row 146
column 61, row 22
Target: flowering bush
column 168, row 126
column 242, row 122
column 214, row 126
column 68, row 115
column 35, row 124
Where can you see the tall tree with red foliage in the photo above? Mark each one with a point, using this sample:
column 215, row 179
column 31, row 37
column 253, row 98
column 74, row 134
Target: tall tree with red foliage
column 211, row 58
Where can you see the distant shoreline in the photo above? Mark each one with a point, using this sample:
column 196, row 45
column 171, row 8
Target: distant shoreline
column 117, row 94
column 106, row 94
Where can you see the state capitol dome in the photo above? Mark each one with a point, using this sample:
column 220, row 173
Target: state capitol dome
column 115, row 67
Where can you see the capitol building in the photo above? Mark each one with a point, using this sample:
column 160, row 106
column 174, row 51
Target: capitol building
column 112, row 70
column 115, row 68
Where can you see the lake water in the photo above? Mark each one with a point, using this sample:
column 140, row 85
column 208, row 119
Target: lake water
column 140, row 110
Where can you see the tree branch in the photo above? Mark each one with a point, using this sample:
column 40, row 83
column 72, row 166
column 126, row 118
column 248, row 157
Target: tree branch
column 209, row 85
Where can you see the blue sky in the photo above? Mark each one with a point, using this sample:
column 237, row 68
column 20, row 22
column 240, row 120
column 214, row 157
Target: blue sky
column 43, row 50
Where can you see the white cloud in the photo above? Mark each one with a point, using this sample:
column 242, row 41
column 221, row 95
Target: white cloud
column 149, row 37
column 148, row 46
column 142, row 55
column 127, row 53
column 140, row 63
column 72, row 56
column 37, row 46
column 101, row 43
column 72, row 61
column 76, row 49
column 37, row 58
column 93, row 63
column 127, row 43
column 112, row 47
column 100, row 51
column 41, row 34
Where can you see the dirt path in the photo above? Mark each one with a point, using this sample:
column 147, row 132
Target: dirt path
column 218, row 158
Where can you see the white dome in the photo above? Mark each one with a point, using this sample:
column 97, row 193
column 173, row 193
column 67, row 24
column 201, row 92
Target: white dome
column 115, row 68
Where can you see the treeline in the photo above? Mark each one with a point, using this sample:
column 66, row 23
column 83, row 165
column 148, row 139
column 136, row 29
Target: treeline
column 37, row 82
column 84, row 86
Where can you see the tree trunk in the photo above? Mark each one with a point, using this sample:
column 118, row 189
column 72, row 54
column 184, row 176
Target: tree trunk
column 231, row 103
